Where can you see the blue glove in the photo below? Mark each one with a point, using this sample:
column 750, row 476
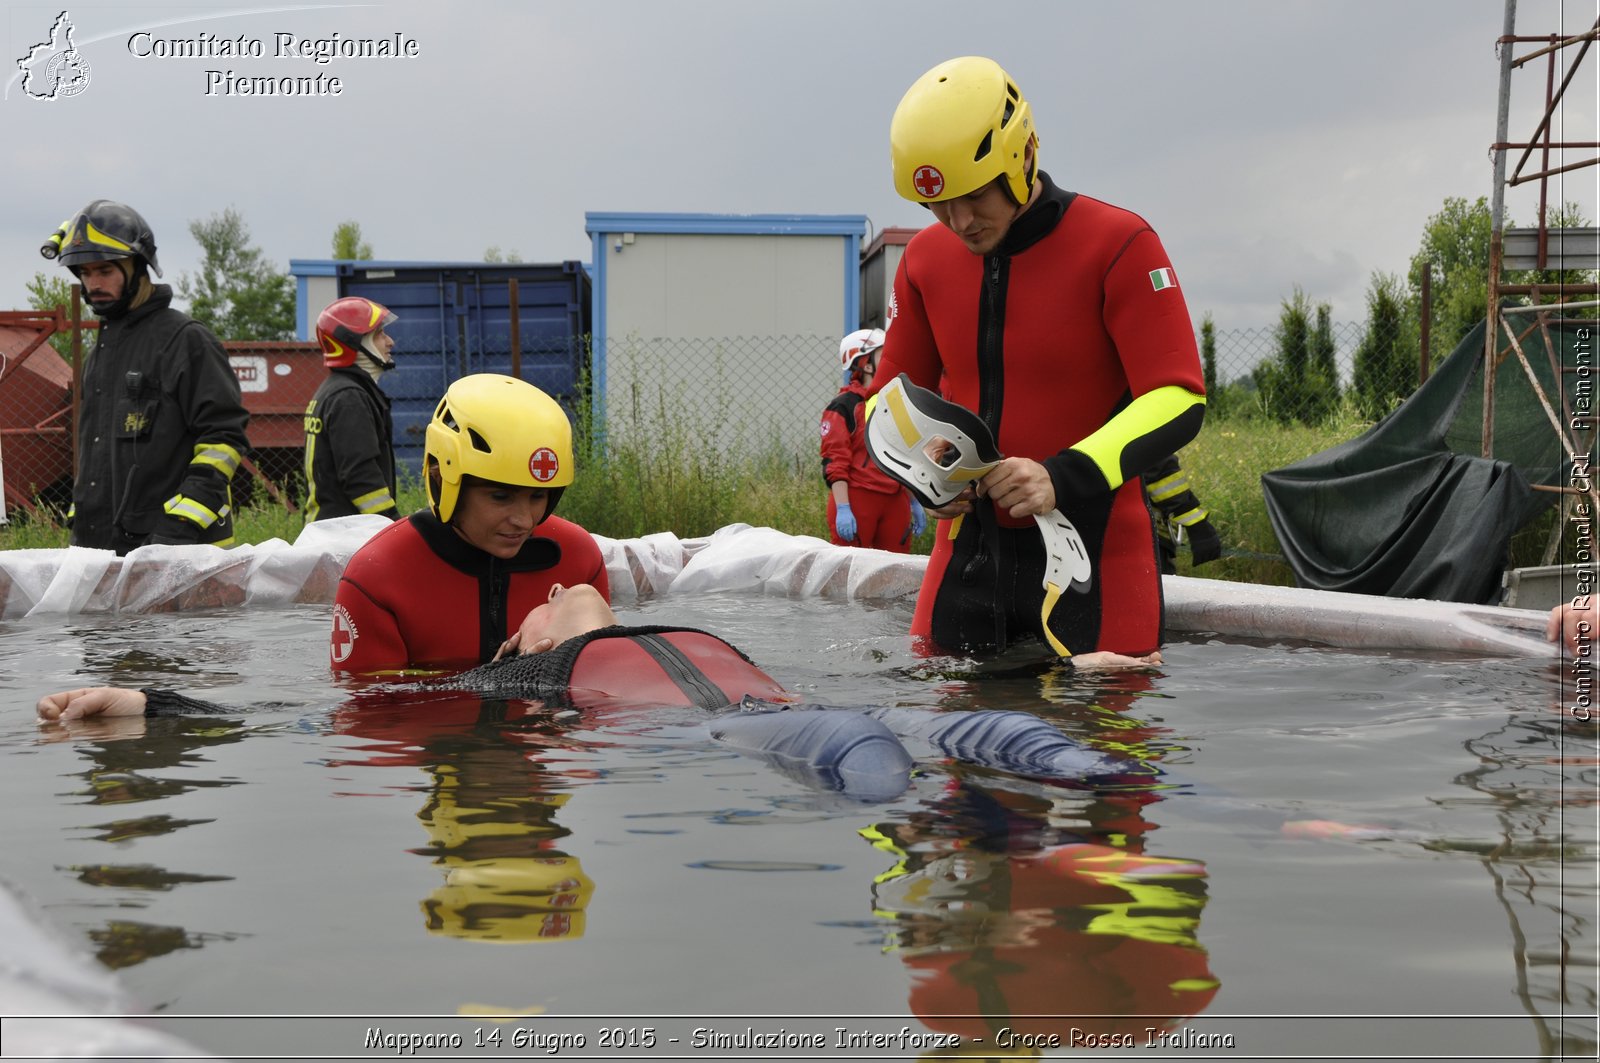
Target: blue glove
column 844, row 522
column 919, row 519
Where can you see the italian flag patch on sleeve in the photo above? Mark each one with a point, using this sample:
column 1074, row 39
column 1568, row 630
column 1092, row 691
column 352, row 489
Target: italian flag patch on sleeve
column 1162, row 278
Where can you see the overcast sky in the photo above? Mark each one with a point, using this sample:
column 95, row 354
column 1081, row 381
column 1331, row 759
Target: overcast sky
column 1271, row 144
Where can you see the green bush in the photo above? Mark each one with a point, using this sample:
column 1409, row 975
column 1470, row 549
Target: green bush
column 665, row 473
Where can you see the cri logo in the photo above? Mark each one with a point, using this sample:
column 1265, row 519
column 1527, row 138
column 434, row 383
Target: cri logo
column 928, row 181
column 543, row 465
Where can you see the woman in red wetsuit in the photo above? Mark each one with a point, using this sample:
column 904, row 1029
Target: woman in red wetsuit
column 865, row 506
column 442, row 589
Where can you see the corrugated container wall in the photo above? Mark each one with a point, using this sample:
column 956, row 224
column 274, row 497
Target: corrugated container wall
column 455, row 318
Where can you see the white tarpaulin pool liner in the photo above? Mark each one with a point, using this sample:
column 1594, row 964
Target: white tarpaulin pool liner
column 57, row 995
column 737, row 558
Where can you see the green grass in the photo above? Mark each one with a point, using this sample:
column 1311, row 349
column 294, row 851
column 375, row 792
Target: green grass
column 26, row 533
column 660, row 471
column 669, row 474
column 1225, row 464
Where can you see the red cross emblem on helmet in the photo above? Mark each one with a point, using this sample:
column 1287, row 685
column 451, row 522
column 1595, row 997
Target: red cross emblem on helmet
column 543, row 465
column 928, row 181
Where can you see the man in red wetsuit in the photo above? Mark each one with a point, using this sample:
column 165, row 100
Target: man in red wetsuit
column 1058, row 320
column 866, row 507
column 442, row 589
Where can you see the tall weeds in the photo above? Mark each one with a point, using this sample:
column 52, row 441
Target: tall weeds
column 667, row 462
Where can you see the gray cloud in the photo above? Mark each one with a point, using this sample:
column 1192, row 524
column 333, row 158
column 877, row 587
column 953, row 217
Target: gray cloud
column 1271, row 144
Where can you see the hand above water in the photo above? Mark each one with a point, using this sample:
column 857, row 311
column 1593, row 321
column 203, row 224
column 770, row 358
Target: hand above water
column 67, row 705
column 1572, row 625
column 1106, row 660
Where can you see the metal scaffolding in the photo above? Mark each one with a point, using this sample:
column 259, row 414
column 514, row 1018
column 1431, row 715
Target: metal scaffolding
column 1540, row 248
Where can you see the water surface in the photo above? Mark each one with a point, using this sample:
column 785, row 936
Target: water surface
column 315, row 854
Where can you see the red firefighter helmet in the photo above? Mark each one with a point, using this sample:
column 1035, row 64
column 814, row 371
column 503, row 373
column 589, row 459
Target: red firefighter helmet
column 346, row 327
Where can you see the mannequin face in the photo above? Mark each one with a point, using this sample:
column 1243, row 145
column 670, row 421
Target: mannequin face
column 569, row 612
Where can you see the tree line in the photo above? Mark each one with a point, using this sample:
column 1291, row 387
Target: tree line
column 240, row 295
column 1300, row 381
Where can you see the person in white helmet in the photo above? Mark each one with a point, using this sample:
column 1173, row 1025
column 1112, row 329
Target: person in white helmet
column 865, row 506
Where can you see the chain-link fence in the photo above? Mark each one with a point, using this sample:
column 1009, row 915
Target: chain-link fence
column 734, row 393
column 1310, row 372
column 739, row 394
column 761, row 389
column 35, row 414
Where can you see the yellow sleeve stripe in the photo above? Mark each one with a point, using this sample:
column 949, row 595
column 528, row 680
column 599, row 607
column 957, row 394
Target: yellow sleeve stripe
column 1139, row 418
column 189, row 509
column 374, row 501
column 1170, row 487
column 219, row 456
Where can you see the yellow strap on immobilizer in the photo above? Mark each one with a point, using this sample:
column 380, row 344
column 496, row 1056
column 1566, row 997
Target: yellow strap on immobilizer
column 1051, row 594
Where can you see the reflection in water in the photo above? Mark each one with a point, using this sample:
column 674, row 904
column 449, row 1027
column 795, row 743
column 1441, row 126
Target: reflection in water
column 143, row 651
column 490, row 814
column 999, row 899
column 125, row 830
column 1011, row 905
column 124, row 944
column 1005, row 921
column 139, row 877
column 761, row 865
column 121, row 773
column 1036, row 908
column 1536, row 770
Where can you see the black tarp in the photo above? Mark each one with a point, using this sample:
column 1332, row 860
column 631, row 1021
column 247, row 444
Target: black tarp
column 1410, row 508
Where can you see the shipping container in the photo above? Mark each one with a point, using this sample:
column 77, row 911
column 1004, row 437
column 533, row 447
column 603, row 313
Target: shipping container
column 456, row 318
column 728, row 320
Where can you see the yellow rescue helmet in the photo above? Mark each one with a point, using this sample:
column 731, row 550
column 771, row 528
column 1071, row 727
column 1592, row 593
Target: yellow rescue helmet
column 497, row 428
column 958, row 127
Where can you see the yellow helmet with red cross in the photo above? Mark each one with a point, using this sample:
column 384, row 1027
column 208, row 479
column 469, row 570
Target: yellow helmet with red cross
column 960, row 126
column 496, row 428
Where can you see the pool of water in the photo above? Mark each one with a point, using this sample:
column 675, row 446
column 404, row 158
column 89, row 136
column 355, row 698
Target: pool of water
column 522, row 877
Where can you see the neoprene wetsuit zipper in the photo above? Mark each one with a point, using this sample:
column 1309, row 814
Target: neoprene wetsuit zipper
column 495, row 586
column 991, row 395
column 991, row 341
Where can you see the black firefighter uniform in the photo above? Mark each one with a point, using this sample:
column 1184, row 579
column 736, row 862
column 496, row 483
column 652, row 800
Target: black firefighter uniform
column 349, row 448
column 160, row 435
